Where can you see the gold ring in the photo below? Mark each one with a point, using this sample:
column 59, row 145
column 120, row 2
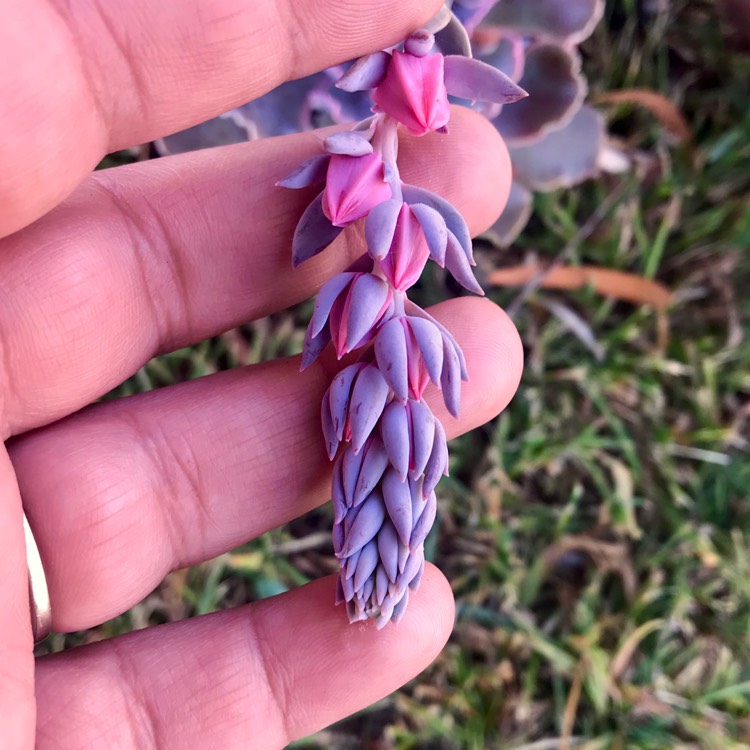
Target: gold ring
column 41, row 613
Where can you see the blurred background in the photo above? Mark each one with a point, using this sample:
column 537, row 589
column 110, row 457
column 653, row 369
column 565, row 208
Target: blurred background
column 597, row 534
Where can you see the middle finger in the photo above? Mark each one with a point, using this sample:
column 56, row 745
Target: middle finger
column 152, row 257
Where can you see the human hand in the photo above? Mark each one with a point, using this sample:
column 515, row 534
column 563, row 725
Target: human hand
column 99, row 273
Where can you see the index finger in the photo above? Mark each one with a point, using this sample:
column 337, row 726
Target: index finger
column 102, row 76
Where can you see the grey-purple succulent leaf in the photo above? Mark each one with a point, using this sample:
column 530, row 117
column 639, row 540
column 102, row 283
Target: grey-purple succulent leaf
column 350, row 565
column 313, row 347
column 414, row 310
column 410, row 570
column 338, row 537
column 394, row 427
column 417, row 498
column 400, row 609
column 570, row 21
column 367, row 588
column 440, row 20
column 368, row 400
column 453, row 39
column 365, row 526
column 430, row 343
column 552, row 76
column 338, row 394
column 414, row 583
column 328, row 427
column 459, row 267
column 365, row 73
column 338, row 495
column 366, row 299
column 314, row 233
column 392, row 358
column 453, row 219
column 422, row 435
column 437, row 465
column 348, row 143
column 450, row 379
column 509, row 55
column 381, row 582
column 477, row 81
column 563, row 158
column 355, row 613
column 424, row 523
column 373, row 465
column 350, row 470
column 347, row 586
column 471, row 12
column 514, row 217
column 308, row 173
column 380, row 227
column 403, row 556
column 388, row 547
column 435, row 230
column 366, row 127
column 419, row 43
column 397, row 497
column 368, row 562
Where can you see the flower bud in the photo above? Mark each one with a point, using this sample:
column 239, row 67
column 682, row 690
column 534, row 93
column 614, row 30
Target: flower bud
column 413, row 92
column 354, row 185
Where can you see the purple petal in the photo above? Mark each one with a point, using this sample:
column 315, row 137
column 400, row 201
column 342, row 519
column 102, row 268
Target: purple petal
column 366, row 73
column 453, row 219
column 349, row 143
column 326, row 298
column 394, row 427
column 308, row 173
column 368, row 561
column 430, row 344
column 478, row 81
column 422, row 435
column 368, row 399
column 397, row 497
column 458, row 265
column 368, row 295
column 380, row 226
column 366, row 525
column 435, row 231
column 424, row 524
column 314, row 233
column 391, row 354
column 373, row 465
column 388, row 546
column 328, row 427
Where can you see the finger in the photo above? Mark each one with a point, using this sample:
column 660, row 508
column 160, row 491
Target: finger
column 17, row 704
column 134, row 488
column 102, row 76
column 274, row 671
column 155, row 256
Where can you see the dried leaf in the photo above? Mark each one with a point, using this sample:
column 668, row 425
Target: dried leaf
column 665, row 111
column 618, row 284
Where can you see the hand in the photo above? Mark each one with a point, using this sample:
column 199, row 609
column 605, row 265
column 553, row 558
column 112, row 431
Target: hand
column 100, row 272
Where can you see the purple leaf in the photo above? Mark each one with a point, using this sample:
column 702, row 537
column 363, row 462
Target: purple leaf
column 308, row 173
column 366, row 525
column 422, row 434
column 424, row 524
column 373, row 466
column 394, row 427
column 414, row 583
column 314, row 233
column 349, row 143
column 367, row 402
column 430, row 344
column 477, row 81
column 367, row 298
column 380, row 227
column 397, row 497
column 381, row 581
column 435, row 230
column 313, row 346
column 452, row 39
column 350, row 468
column 366, row 73
column 391, row 354
column 514, row 217
column 338, row 396
column 450, row 379
column 388, row 546
column 338, row 497
column 328, row 427
column 368, row 561
column 458, row 265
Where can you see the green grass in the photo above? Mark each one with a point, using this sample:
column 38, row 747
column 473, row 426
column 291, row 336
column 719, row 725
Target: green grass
column 597, row 534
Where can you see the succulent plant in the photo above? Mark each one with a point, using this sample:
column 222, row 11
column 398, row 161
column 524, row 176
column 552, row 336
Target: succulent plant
column 554, row 139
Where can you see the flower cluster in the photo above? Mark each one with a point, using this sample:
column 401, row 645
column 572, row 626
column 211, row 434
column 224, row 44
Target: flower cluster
column 388, row 448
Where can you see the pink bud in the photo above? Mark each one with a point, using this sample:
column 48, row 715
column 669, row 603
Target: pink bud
column 408, row 253
column 354, row 185
column 414, row 93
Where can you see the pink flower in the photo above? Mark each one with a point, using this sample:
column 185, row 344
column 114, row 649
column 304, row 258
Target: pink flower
column 413, row 92
column 354, row 185
column 408, row 253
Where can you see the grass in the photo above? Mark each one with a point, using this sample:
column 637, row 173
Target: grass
column 597, row 534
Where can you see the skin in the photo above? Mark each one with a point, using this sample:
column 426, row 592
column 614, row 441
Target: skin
column 100, row 272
